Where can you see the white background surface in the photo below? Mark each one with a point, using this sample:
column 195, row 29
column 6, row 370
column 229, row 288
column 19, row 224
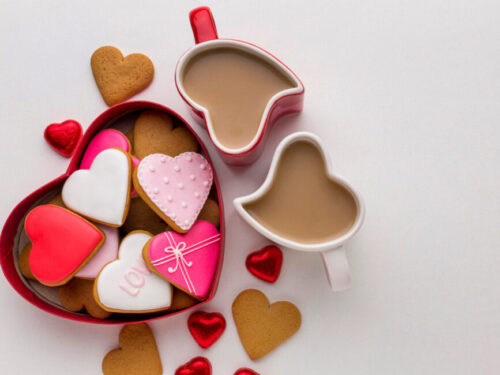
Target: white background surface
column 406, row 96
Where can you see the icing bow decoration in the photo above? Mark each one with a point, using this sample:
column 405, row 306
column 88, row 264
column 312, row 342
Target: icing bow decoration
column 187, row 261
column 179, row 257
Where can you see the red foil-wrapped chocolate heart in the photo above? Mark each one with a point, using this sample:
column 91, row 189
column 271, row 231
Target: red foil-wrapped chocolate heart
column 196, row 366
column 206, row 328
column 245, row 371
column 265, row 263
column 63, row 137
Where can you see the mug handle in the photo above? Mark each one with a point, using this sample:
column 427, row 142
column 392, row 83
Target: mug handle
column 337, row 268
column 203, row 25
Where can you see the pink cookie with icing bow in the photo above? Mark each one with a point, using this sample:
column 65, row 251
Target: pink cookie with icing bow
column 108, row 138
column 189, row 260
column 175, row 188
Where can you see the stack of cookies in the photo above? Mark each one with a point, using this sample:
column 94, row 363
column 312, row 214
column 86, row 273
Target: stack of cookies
column 135, row 230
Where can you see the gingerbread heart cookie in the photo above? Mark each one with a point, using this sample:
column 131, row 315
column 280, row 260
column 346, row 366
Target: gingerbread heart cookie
column 188, row 261
column 263, row 327
column 77, row 295
column 101, row 193
column 120, row 78
column 154, row 133
column 137, row 355
column 63, row 243
column 175, row 188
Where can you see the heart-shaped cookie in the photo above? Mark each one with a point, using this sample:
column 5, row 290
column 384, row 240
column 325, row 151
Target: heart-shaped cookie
column 154, row 133
column 263, row 327
column 107, row 138
column 120, row 78
column 137, row 355
column 175, row 188
column 265, row 263
column 77, row 295
column 188, row 260
column 126, row 285
column 63, row 137
column 196, row 366
column 106, row 253
column 62, row 243
column 101, row 193
column 206, row 328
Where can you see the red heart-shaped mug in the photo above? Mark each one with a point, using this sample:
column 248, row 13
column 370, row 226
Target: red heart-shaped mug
column 13, row 227
column 245, row 145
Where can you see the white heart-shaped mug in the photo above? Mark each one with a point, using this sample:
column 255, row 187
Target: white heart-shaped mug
column 332, row 251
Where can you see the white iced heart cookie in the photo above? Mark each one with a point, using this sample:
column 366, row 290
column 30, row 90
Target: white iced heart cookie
column 127, row 285
column 101, row 193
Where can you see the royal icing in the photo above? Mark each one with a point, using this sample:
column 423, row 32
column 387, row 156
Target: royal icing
column 62, row 241
column 178, row 186
column 128, row 285
column 101, row 193
column 106, row 253
column 187, row 260
column 103, row 140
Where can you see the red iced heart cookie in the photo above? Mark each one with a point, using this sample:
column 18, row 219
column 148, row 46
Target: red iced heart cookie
column 63, row 137
column 62, row 243
column 206, row 328
column 196, row 366
column 266, row 263
column 245, row 371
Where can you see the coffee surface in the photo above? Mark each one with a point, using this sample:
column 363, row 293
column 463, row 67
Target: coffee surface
column 303, row 204
column 235, row 87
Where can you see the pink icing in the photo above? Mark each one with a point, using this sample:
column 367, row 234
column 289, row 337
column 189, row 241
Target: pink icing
column 103, row 140
column 178, row 186
column 106, row 253
column 187, row 260
column 135, row 163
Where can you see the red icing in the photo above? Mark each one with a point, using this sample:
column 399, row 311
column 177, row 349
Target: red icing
column 206, row 328
column 62, row 241
column 63, row 137
column 196, row 366
column 266, row 263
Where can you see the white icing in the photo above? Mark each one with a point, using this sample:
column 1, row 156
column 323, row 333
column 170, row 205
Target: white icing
column 101, row 192
column 180, row 185
column 177, row 169
column 127, row 284
column 165, row 180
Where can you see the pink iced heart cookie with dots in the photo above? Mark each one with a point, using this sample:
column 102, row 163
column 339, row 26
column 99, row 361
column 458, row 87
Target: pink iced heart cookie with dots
column 175, row 188
column 186, row 260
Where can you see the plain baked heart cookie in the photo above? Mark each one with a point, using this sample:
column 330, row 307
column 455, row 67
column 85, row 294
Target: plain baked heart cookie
column 154, row 133
column 101, row 193
column 62, row 243
column 175, row 188
column 126, row 285
column 137, row 355
column 263, row 327
column 120, row 78
column 77, row 295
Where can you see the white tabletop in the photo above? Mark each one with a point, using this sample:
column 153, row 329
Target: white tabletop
column 406, row 96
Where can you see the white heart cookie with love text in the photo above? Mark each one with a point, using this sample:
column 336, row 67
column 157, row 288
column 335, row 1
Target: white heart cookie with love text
column 101, row 193
column 127, row 285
